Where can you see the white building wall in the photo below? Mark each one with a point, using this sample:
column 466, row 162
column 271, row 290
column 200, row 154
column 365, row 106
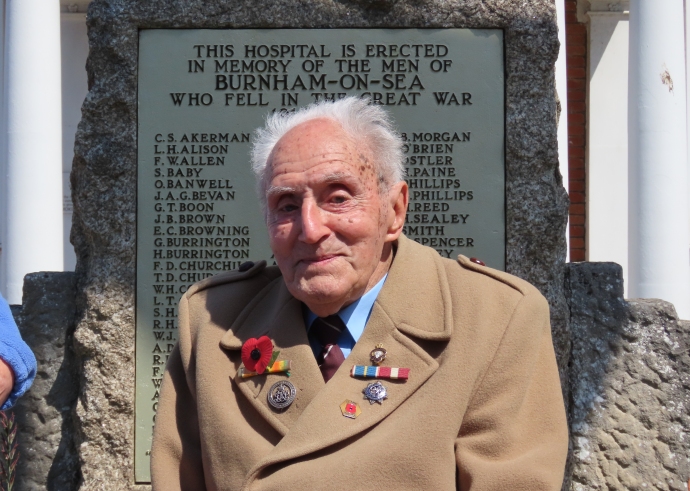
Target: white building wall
column 562, row 91
column 607, row 167
column 75, row 49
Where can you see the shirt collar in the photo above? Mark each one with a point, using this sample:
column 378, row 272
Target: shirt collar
column 355, row 315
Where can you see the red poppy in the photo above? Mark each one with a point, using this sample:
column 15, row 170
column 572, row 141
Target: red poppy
column 257, row 353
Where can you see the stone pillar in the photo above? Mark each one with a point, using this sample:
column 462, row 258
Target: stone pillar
column 629, row 374
column 32, row 101
column 48, row 455
column 659, row 265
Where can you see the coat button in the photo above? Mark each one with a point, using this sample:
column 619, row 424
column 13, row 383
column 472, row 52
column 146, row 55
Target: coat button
column 473, row 259
column 245, row 266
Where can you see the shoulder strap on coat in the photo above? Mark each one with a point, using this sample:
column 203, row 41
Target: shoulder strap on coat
column 245, row 271
column 513, row 281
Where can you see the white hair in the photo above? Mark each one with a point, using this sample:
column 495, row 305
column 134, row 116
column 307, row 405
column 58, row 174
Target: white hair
column 365, row 123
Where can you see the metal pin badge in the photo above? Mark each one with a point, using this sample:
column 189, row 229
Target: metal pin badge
column 281, row 394
column 375, row 392
column 350, row 409
column 378, row 354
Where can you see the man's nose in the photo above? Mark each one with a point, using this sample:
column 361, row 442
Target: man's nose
column 313, row 226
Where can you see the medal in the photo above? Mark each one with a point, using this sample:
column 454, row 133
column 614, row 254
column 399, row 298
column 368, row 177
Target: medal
column 281, row 394
column 378, row 354
column 375, row 392
column 392, row 373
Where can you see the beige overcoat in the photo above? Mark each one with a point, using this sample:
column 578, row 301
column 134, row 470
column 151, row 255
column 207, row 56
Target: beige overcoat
column 482, row 409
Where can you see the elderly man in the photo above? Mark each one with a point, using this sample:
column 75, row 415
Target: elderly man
column 364, row 360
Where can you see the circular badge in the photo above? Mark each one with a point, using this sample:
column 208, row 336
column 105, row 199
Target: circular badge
column 281, row 394
column 378, row 354
column 375, row 392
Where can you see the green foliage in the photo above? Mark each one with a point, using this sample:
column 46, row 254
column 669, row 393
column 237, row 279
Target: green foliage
column 9, row 455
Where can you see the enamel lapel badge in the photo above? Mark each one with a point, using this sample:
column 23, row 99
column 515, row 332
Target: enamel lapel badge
column 378, row 354
column 350, row 409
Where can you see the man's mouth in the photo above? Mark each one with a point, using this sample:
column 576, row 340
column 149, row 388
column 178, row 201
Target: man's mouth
column 318, row 260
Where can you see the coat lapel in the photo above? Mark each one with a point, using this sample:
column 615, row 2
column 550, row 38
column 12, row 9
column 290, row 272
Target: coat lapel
column 414, row 303
column 276, row 314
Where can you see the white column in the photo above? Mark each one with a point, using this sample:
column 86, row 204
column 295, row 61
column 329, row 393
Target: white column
column 34, row 141
column 687, row 93
column 3, row 155
column 658, row 221
column 562, row 90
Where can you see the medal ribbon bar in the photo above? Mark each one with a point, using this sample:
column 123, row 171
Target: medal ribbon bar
column 277, row 367
column 380, row 372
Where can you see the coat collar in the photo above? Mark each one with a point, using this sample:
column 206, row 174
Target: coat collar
column 414, row 303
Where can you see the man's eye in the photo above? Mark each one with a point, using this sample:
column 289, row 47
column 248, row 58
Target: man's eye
column 338, row 199
column 288, row 208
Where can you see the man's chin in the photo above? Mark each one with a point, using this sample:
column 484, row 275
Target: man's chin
column 318, row 294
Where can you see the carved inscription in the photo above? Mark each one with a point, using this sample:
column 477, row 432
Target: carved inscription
column 203, row 92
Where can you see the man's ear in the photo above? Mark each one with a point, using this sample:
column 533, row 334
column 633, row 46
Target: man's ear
column 398, row 197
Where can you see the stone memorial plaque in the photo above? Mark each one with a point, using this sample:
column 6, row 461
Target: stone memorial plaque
column 202, row 93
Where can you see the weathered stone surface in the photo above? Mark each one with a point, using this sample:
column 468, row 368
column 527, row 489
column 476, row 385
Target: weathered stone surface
column 45, row 414
column 630, row 385
column 104, row 176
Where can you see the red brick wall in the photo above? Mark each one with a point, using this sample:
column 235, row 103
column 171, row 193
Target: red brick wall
column 576, row 61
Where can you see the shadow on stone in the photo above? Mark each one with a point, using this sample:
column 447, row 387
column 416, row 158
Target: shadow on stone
column 48, row 459
column 630, row 386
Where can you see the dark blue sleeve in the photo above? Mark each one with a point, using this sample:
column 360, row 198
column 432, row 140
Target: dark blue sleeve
column 16, row 353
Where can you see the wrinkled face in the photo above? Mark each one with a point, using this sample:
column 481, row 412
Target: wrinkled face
column 330, row 227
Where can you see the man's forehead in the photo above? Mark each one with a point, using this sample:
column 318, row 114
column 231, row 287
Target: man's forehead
column 311, row 155
column 318, row 145
column 317, row 152
column 313, row 137
column 314, row 127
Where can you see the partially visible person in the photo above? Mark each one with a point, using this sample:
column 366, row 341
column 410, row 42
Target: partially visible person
column 17, row 362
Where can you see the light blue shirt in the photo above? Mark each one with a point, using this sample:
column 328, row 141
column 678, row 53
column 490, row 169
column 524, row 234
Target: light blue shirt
column 355, row 317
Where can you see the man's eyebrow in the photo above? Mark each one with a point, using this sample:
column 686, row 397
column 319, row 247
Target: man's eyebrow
column 337, row 177
column 275, row 190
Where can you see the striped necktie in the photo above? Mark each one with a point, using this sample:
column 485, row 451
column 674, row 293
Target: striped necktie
column 327, row 330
